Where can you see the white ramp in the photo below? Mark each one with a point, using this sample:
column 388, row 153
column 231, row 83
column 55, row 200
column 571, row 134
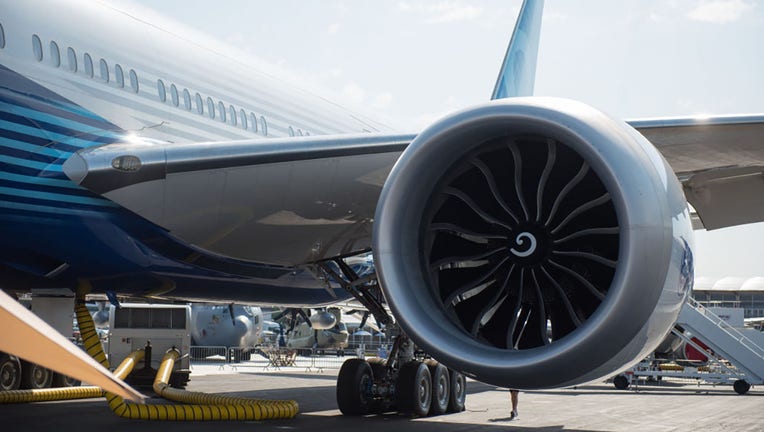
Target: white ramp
column 726, row 341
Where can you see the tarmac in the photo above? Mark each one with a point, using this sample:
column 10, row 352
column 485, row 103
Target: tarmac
column 670, row 406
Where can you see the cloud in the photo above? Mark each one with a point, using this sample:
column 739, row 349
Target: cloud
column 353, row 93
column 443, row 11
column 720, row 11
column 334, row 28
column 382, row 100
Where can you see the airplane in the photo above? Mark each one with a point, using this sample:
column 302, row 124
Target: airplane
column 529, row 242
column 303, row 334
column 232, row 325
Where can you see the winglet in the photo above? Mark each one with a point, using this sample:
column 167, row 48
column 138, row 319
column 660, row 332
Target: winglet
column 518, row 72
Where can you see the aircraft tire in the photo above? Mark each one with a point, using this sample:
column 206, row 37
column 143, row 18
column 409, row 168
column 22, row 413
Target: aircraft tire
column 10, row 372
column 621, row 382
column 61, row 380
column 354, row 383
column 741, row 387
column 34, row 376
column 457, row 391
column 441, row 387
column 413, row 393
column 378, row 371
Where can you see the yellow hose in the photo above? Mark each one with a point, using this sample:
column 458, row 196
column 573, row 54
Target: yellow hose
column 65, row 393
column 208, row 407
column 272, row 409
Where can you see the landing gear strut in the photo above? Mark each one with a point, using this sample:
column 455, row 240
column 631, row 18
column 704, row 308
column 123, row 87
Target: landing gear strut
column 403, row 382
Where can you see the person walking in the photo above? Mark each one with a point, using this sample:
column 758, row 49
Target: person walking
column 513, row 394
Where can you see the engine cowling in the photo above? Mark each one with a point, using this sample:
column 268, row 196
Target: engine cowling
column 534, row 243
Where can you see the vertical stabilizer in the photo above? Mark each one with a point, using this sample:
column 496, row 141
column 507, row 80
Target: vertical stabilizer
column 518, row 71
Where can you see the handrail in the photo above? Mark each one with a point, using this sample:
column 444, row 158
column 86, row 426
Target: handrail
column 726, row 327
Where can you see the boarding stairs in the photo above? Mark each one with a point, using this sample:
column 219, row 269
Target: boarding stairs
column 742, row 348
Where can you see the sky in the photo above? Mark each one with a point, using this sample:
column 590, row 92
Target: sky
column 407, row 63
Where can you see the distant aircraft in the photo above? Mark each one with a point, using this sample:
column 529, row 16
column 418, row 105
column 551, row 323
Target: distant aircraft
column 233, row 325
column 529, row 242
column 303, row 334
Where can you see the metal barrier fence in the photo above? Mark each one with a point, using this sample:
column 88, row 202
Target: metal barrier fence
column 276, row 358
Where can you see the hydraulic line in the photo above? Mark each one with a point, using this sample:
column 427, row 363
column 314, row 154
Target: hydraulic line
column 207, row 407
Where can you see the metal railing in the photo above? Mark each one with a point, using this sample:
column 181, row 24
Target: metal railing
column 276, row 358
column 727, row 328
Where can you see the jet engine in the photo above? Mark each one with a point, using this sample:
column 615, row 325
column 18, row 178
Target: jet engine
column 534, row 243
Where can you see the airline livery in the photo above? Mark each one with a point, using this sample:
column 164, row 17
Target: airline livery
column 525, row 242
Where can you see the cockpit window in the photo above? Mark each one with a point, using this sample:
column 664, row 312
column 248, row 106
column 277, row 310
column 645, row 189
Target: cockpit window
column 2, row 37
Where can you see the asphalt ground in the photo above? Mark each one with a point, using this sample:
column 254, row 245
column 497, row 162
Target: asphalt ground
column 670, row 406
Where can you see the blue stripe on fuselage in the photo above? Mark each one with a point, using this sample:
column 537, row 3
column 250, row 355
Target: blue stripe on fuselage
column 45, row 219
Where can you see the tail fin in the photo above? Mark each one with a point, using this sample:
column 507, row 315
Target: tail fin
column 518, row 72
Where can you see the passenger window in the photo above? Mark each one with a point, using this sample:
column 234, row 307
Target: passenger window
column 37, row 47
column 253, row 120
column 174, row 94
column 71, row 57
column 55, row 54
column 119, row 76
column 210, row 108
column 104, row 70
column 263, row 126
column 221, row 108
column 232, row 114
column 199, row 104
column 88, row 65
column 187, row 99
column 162, row 90
column 243, row 119
column 134, row 80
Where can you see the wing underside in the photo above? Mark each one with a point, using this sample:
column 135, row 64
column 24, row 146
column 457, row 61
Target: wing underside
column 720, row 162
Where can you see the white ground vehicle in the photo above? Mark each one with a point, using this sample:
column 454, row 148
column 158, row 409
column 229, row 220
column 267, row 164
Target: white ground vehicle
column 133, row 326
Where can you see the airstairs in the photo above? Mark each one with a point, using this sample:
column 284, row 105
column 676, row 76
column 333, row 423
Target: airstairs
column 741, row 347
column 736, row 355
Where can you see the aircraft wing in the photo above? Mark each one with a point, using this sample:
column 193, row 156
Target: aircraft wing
column 720, row 162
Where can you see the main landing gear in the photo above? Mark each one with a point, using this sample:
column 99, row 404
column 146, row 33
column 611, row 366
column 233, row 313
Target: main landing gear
column 404, row 382
column 401, row 383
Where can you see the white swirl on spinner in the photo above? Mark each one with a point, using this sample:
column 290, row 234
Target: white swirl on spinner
column 520, row 240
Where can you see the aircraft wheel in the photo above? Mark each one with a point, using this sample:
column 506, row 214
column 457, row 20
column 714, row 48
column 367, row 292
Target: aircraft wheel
column 34, row 376
column 10, row 372
column 457, row 391
column 441, row 387
column 414, row 389
column 354, row 383
column 379, row 372
column 61, row 380
column 621, row 382
column 741, row 386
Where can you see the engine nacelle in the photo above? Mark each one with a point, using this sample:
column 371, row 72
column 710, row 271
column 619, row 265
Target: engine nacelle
column 534, row 243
